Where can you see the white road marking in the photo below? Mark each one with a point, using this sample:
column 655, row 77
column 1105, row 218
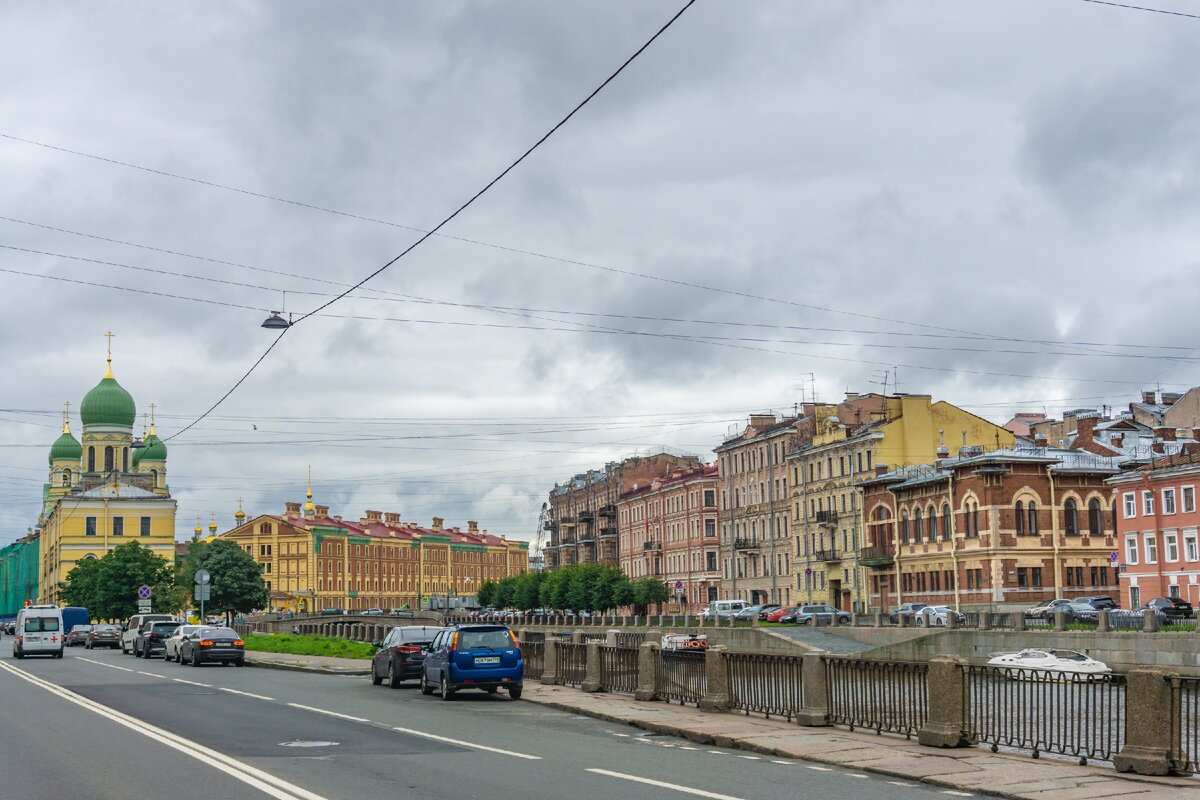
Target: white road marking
column 664, row 744
column 246, row 694
column 192, row 683
column 854, row 775
column 789, row 763
column 151, row 674
column 820, row 769
column 472, row 745
column 751, row 758
column 901, row 783
column 718, row 752
column 957, row 794
column 239, row 770
column 101, row 663
column 663, row 784
column 685, row 747
column 329, row 713
column 622, row 735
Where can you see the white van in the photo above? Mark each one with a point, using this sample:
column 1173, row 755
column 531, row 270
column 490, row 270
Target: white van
column 136, row 622
column 725, row 608
column 39, row 632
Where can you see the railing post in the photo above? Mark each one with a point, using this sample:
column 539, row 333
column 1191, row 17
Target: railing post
column 1018, row 618
column 901, row 619
column 1060, row 620
column 948, row 704
column 1103, row 623
column 577, row 637
column 637, row 620
column 716, row 680
column 647, row 672
column 1150, row 740
column 951, row 620
column 985, row 620
column 610, row 638
column 877, row 621
column 814, row 711
column 550, row 661
column 591, row 679
column 1149, row 622
column 523, row 635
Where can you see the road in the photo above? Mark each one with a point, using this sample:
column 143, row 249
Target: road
column 97, row 725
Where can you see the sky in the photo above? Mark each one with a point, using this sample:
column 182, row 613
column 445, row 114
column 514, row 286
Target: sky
column 990, row 202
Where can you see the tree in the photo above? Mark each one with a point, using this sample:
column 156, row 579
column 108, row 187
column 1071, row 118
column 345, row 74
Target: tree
column 237, row 582
column 528, row 586
column 83, row 584
column 486, row 594
column 647, row 591
column 506, row 592
column 109, row 588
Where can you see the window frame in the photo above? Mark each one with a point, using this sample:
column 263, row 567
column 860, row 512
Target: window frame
column 1169, row 498
column 1132, row 549
column 1129, row 501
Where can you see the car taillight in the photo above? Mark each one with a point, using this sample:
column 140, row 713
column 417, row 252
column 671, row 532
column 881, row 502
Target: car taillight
column 408, row 648
column 454, row 641
column 238, row 643
column 206, row 643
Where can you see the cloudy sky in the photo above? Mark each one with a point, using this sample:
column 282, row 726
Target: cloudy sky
column 995, row 201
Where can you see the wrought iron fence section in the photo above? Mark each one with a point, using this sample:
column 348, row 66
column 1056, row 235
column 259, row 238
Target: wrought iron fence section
column 534, row 655
column 1004, row 620
column 765, row 684
column 626, row 639
column 594, row 637
column 619, row 669
column 681, row 676
column 877, row 695
column 1185, row 723
column 1043, row 711
column 572, row 663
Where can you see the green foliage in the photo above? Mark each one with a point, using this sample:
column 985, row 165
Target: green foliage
column 650, row 591
column 308, row 645
column 486, row 596
column 108, row 586
column 237, row 581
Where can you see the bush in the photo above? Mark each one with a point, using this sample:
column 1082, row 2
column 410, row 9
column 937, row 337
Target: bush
column 301, row 645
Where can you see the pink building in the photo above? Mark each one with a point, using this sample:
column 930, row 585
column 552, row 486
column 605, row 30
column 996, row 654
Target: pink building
column 1157, row 527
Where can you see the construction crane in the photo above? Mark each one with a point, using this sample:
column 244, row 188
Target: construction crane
column 539, row 538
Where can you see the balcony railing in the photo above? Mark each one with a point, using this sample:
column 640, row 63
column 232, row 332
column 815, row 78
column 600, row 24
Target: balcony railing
column 608, row 511
column 826, row 517
column 652, row 545
column 827, row 555
column 586, row 516
column 550, row 525
column 607, row 532
column 745, row 544
column 876, row 555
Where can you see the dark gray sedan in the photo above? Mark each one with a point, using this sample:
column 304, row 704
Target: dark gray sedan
column 210, row 645
column 401, row 654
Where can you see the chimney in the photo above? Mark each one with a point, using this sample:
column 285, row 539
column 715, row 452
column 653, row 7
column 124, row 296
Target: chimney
column 1039, row 438
column 472, row 526
column 1196, row 434
column 322, row 511
column 1166, row 433
column 339, row 519
column 881, row 469
column 1158, row 448
column 291, row 509
column 392, row 518
column 1117, row 441
column 762, row 420
column 437, row 523
column 1085, row 428
column 374, row 516
column 1170, row 398
column 1148, row 396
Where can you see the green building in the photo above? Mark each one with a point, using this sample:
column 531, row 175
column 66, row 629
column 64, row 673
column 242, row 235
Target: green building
column 18, row 575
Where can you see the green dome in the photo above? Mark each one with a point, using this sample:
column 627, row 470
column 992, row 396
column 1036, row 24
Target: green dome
column 66, row 447
column 155, row 450
column 108, row 404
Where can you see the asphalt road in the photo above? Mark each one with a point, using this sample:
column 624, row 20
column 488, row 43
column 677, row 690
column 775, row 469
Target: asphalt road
column 99, row 725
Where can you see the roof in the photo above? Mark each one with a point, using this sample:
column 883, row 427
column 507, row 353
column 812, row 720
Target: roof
column 658, row 484
column 786, row 422
column 1058, row 459
column 119, row 491
column 108, row 404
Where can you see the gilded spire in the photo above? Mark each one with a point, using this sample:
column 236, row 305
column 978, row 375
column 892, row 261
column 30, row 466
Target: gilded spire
column 240, row 515
column 212, row 525
column 198, row 529
column 152, row 407
column 108, row 373
column 309, row 505
column 67, row 417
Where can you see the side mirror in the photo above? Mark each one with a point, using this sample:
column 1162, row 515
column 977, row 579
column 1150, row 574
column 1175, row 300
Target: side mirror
column 377, row 645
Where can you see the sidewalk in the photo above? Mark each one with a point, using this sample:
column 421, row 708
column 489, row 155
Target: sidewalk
column 974, row 770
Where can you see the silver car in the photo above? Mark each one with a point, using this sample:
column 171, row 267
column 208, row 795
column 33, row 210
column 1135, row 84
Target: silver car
column 176, row 640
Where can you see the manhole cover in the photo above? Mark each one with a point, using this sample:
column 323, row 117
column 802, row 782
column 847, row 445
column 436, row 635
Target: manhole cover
column 300, row 743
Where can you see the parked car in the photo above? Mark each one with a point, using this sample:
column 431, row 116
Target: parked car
column 373, row 612
column 725, row 608
column 937, row 616
column 152, row 638
column 172, row 647
column 748, row 613
column 1173, row 608
column 1079, row 611
column 209, row 645
column 820, row 615
column 130, row 630
column 401, row 654
column 77, row 635
column 103, row 636
column 905, row 610
column 765, row 610
column 10, row 628
column 483, row 657
column 1099, row 602
column 332, row 612
column 778, row 614
column 400, row 612
column 1045, row 609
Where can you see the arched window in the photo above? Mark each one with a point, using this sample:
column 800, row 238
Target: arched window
column 92, row 460
column 109, row 458
column 904, row 527
column 931, row 525
column 1095, row 524
column 1019, row 517
column 1033, row 523
column 124, row 459
column 154, row 477
column 1071, row 516
column 917, row 529
column 946, row 526
column 66, row 477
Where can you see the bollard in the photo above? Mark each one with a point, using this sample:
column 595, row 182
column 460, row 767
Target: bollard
column 550, row 662
column 625, row 621
column 1103, row 623
column 814, row 713
column 985, row 620
column 637, row 620
column 592, row 681
column 1149, row 743
column 877, row 622
column 661, row 620
column 948, row 704
column 754, row 621
column 1149, row 621
column 716, row 681
column 1060, row 620
column 647, row 688
column 687, row 620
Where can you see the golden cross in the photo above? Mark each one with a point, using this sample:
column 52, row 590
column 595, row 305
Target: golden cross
column 152, row 407
column 109, row 336
column 66, row 415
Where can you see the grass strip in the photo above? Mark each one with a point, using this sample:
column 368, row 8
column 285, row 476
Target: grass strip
column 304, row 645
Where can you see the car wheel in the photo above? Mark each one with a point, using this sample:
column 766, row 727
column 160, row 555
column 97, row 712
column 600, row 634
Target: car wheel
column 195, row 658
column 515, row 692
column 393, row 680
column 445, row 689
column 375, row 679
column 921, row 621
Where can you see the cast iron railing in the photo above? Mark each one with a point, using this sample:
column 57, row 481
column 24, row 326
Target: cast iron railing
column 534, row 654
column 1082, row 716
column 630, row 639
column 877, row 695
column 619, row 669
column 572, row 663
column 765, row 684
column 1185, row 710
column 681, row 676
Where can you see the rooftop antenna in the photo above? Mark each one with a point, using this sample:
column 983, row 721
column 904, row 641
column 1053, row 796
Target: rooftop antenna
column 880, row 377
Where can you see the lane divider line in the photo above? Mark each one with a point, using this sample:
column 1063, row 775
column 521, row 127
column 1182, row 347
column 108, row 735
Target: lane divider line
column 820, row 769
column 471, row 745
column 751, row 758
column 776, row 761
column 247, row 694
column 192, row 683
column 239, row 770
column 663, row 784
column 101, row 663
column 329, row 713
column 152, row 674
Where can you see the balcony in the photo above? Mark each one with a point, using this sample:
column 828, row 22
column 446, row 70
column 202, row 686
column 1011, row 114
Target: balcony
column 745, row 544
column 550, row 525
column 586, row 516
column 826, row 517
column 648, row 546
column 826, row 555
column 876, row 555
column 568, row 519
column 608, row 511
column 609, row 532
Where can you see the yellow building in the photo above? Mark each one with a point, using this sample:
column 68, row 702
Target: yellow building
column 102, row 491
column 827, row 523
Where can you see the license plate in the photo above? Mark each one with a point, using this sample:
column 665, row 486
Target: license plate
column 487, row 660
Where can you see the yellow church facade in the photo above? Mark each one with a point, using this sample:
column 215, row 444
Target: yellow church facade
column 104, row 488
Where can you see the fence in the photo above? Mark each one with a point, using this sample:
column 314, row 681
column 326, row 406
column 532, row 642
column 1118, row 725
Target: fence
column 1082, row 716
column 572, row 663
column 765, row 684
column 630, row 639
column 534, row 653
column 619, row 669
column 877, row 695
column 681, row 676
column 1185, row 713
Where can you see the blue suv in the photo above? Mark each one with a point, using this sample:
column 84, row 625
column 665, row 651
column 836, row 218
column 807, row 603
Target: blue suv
column 483, row 657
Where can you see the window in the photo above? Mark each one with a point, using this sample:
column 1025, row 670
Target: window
column 1019, row 517
column 91, row 459
column 1074, row 576
column 1189, row 499
column 1095, row 525
column 1171, row 545
column 946, row 521
column 1190, row 547
column 1151, row 549
column 118, row 526
column 1147, row 503
column 1135, row 597
column 710, row 497
column 1130, row 505
column 931, row 525
column 917, row 525
column 1099, row 576
column 1173, row 590
column 1071, row 517
column 1033, row 520
column 710, row 527
column 904, row 527
column 109, row 460
column 145, row 526
column 89, row 526
column 1168, row 500
column 1035, row 576
column 710, row 561
column 1022, row 577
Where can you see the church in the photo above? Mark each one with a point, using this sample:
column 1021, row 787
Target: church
column 105, row 488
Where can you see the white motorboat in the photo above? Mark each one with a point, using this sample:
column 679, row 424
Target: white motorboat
column 1064, row 662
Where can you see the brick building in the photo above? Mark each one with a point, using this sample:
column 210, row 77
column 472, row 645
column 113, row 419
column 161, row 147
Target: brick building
column 667, row 529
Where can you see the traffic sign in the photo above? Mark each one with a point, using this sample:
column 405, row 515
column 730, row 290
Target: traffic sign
column 1124, row 567
column 143, row 592
column 143, row 606
column 1113, row 556
column 678, row 584
column 202, row 592
column 202, row 576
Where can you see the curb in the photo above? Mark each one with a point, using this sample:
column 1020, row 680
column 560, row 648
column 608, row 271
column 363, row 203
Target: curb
column 294, row 667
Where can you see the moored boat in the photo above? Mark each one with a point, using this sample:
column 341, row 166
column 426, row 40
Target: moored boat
column 1062, row 662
